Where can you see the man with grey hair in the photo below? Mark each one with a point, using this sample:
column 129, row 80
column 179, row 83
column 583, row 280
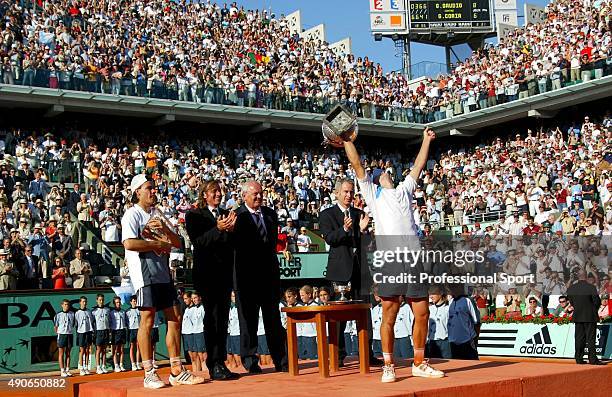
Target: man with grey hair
column 257, row 279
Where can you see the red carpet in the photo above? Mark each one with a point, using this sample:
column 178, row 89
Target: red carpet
column 464, row 378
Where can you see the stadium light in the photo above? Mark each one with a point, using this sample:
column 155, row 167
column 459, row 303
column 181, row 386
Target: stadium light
column 377, row 37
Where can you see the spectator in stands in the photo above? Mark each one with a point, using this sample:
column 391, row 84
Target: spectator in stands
column 533, row 309
column 604, row 309
column 60, row 273
column 512, row 301
column 80, row 270
column 63, row 244
column 303, row 241
column 565, row 308
column 256, row 75
column 8, row 272
column 31, row 272
column 291, row 231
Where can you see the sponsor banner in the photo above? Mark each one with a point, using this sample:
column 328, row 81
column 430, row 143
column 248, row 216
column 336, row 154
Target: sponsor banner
column 385, row 22
column 28, row 342
column 538, row 340
column 535, row 14
column 303, row 266
column 387, row 5
column 294, row 20
column 602, row 338
column 505, row 4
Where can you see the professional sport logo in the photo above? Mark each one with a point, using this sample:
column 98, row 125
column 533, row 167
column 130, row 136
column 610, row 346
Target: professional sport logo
column 540, row 343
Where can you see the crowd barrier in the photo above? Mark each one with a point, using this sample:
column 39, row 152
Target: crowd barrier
column 206, row 92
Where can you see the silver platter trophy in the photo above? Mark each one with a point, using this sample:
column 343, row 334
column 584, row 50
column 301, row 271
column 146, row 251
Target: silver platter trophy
column 339, row 125
column 343, row 290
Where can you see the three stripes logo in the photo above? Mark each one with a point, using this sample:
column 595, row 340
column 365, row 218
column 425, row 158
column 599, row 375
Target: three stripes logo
column 540, row 344
column 497, row 338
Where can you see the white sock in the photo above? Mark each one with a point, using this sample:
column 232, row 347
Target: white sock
column 388, row 357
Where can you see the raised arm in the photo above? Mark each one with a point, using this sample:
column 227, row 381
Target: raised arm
column 421, row 159
column 353, row 157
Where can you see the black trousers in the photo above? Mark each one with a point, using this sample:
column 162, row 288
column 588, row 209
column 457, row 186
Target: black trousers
column 464, row 351
column 248, row 304
column 584, row 336
column 216, row 316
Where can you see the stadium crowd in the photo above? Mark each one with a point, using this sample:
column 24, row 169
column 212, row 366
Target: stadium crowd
column 204, row 52
column 545, row 181
column 551, row 186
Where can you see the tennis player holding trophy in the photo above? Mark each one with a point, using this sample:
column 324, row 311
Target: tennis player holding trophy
column 394, row 226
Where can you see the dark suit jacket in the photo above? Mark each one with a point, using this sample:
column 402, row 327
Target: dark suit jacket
column 25, row 177
column 64, row 247
column 583, row 296
column 342, row 261
column 35, row 265
column 73, row 199
column 256, row 262
column 213, row 254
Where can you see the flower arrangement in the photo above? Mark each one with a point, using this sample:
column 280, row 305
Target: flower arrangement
column 529, row 319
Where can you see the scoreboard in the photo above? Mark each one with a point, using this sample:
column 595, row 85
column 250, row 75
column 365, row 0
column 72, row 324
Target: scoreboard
column 448, row 14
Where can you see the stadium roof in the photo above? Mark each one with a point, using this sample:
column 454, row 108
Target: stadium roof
column 165, row 111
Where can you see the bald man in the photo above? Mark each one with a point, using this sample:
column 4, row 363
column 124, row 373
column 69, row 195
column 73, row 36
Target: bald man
column 257, row 278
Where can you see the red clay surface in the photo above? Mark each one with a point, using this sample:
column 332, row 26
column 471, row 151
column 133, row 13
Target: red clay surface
column 463, row 378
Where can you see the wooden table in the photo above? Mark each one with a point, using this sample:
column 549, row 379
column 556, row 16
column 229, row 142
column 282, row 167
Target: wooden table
column 328, row 351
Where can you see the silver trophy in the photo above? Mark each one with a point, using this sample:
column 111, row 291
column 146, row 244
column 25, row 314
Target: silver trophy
column 342, row 290
column 339, row 125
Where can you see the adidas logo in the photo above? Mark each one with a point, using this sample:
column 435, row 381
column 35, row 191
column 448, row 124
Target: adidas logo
column 539, row 344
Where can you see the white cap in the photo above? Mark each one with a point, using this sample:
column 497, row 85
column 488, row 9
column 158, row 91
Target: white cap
column 137, row 182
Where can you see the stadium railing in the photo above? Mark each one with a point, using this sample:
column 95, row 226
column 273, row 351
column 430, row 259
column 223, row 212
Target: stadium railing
column 291, row 101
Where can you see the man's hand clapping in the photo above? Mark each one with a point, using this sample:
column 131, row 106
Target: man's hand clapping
column 364, row 222
column 348, row 223
column 226, row 223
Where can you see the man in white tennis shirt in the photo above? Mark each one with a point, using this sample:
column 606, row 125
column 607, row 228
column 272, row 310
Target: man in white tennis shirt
column 150, row 274
column 391, row 209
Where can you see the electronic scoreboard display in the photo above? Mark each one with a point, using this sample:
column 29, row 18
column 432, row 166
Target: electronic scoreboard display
column 433, row 14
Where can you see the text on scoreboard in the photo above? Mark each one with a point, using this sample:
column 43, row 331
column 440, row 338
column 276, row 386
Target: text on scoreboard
column 428, row 14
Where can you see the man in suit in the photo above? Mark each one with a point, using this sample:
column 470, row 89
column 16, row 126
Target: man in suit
column 63, row 244
column 80, row 270
column 31, row 269
column 257, row 279
column 341, row 226
column 74, row 198
column 209, row 228
column 583, row 297
column 25, row 174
